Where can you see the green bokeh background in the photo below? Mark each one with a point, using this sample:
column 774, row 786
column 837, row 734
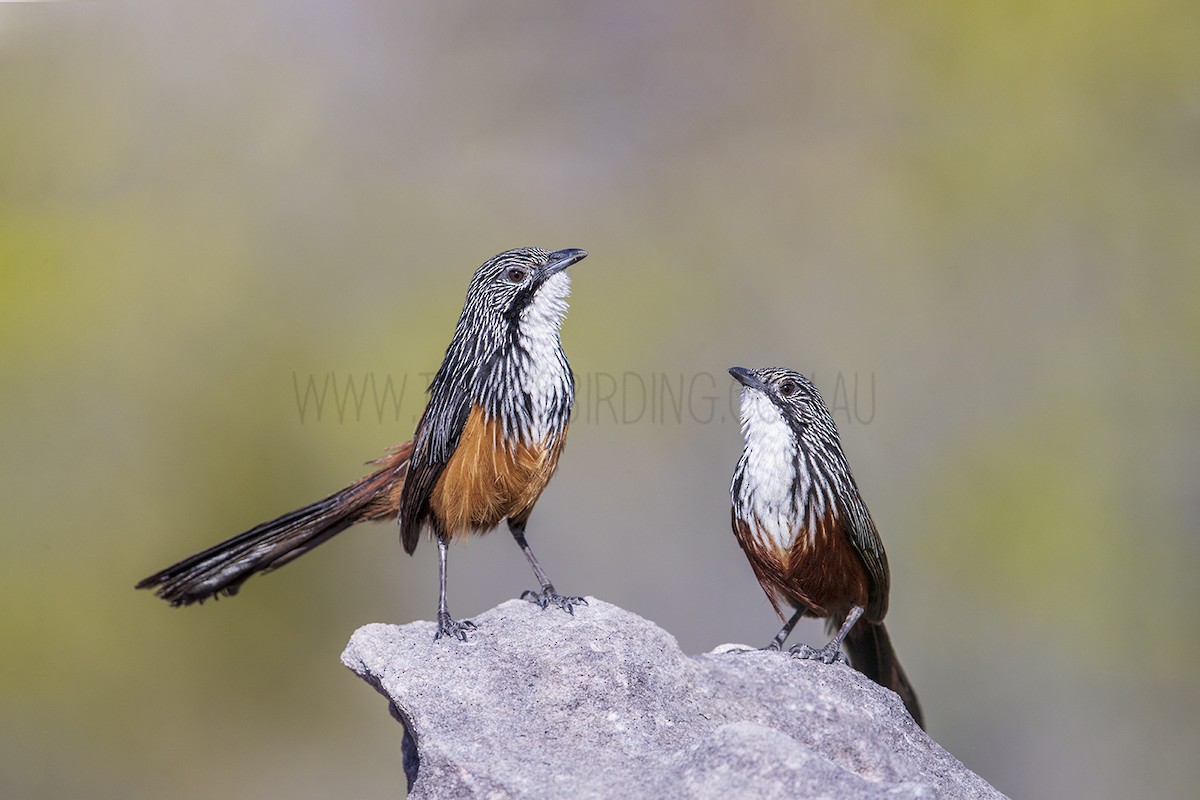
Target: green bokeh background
column 986, row 217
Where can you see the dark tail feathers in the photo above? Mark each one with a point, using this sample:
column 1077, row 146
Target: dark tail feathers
column 223, row 568
column 871, row 653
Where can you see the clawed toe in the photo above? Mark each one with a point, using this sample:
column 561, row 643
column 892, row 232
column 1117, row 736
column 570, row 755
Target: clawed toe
column 548, row 597
column 826, row 655
column 453, row 628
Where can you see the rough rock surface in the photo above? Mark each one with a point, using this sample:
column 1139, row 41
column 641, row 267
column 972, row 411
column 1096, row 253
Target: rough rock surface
column 603, row 704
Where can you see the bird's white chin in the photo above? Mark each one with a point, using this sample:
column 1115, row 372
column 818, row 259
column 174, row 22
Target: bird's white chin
column 557, row 286
column 762, row 421
column 549, row 304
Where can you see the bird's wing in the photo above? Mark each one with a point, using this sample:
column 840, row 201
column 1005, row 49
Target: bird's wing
column 864, row 537
column 436, row 439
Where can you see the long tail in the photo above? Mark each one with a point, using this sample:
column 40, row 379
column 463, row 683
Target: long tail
column 223, row 568
column 871, row 653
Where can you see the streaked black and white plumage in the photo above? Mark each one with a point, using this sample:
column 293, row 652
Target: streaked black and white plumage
column 483, row 451
column 799, row 517
column 506, row 356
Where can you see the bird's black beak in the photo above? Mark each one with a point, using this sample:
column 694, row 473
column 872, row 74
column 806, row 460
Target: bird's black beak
column 560, row 260
column 747, row 378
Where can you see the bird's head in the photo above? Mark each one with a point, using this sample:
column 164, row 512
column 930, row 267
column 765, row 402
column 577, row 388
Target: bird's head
column 523, row 284
column 779, row 403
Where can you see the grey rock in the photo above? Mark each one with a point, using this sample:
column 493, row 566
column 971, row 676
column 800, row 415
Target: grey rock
column 603, row 704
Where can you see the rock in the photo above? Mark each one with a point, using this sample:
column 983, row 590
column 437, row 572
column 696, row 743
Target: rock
column 603, row 704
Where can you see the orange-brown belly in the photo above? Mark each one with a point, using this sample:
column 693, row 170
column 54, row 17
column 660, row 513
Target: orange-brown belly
column 488, row 480
column 826, row 574
column 823, row 575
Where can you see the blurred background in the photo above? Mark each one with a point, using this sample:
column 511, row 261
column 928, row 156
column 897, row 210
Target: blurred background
column 235, row 238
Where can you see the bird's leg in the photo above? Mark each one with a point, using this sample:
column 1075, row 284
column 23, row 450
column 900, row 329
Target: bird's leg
column 785, row 631
column 775, row 644
column 833, row 651
column 447, row 625
column 547, row 596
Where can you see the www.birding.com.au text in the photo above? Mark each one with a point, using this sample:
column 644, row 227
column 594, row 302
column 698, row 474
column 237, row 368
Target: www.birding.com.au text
column 601, row 398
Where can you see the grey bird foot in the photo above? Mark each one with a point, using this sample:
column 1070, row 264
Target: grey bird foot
column 548, row 597
column 827, row 654
column 454, row 628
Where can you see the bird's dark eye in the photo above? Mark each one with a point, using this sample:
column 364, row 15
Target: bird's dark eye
column 514, row 275
column 788, row 388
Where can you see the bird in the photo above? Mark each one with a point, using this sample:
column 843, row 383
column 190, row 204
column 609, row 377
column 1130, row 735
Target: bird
column 484, row 449
column 800, row 519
